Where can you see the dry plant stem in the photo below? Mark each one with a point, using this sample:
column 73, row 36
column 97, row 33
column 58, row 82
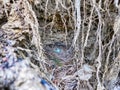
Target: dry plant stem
column 66, row 33
column 108, row 56
column 46, row 10
column 88, row 32
column 78, row 21
column 100, row 3
column 62, row 5
column 36, row 36
column 52, row 23
column 45, row 17
column 82, row 40
column 116, row 29
column 116, row 3
column 78, row 85
column 89, row 26
column 90, row 87
column 107, row 4
column 4, row 3
column 99, row 58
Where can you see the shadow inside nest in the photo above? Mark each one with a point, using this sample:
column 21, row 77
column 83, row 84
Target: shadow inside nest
column 59, row 52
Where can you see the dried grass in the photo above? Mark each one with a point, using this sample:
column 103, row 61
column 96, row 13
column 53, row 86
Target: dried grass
column 90, row 26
